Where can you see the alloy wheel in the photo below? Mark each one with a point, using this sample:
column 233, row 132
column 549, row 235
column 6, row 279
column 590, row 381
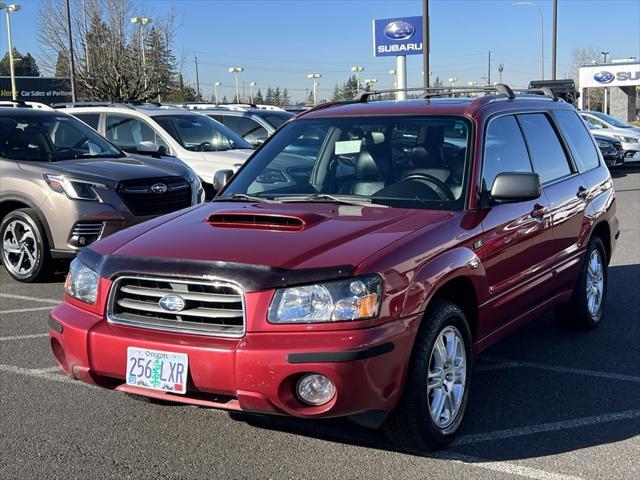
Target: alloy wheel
column 595, row 283
column 447, row 377
column 19, row 248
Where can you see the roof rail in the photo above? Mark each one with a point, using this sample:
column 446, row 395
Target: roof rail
column 92, row 104
column 24, row 104
column 431, row 92
column 545, row 91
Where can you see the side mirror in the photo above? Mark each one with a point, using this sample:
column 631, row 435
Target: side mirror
column 515, row 187
column 221, row 178
column 147, row 148
column 597, row 126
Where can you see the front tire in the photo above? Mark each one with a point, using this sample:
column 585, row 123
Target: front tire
column 585, row 310
column 438, row 382
column 23, row 245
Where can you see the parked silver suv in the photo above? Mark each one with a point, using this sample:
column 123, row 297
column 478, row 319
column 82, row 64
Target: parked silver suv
column 63, row 186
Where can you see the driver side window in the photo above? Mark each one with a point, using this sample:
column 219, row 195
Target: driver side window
column 504, row 150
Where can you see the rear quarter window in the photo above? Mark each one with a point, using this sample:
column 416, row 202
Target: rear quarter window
column 579, row 140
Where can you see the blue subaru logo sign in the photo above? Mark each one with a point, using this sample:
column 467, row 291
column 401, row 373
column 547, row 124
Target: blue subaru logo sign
column 172, row 303
column 399, row 30
column 604, row 77
column 397, row 36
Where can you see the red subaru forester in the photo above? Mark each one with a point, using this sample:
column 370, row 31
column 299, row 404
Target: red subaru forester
column 355, row 265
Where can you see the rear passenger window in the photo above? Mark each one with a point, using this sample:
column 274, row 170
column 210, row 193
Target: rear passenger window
column 579, row 139
column 504, row 150
column 549, row 159
column 91, row 119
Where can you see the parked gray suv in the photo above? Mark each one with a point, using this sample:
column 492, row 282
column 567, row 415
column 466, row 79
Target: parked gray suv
column 63, row 186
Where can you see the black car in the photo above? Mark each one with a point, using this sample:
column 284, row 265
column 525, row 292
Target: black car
column 611, row 150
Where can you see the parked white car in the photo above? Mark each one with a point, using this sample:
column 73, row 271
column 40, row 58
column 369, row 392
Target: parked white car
column 199, row 141
column 628, row 135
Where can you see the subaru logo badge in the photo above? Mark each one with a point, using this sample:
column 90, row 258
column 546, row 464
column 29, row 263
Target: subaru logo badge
column 604, row 77
column 172, row 303
column 159, row 188
column 399, row 30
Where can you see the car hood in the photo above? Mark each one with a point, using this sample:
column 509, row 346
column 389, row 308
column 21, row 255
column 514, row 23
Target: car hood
column 109, row 171
column 288, row 236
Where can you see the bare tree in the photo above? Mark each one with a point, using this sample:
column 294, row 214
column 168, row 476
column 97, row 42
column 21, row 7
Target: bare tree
column 108, row 48
column 594, row 97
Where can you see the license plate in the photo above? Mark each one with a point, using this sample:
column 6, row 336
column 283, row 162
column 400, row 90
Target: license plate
column 164, row 371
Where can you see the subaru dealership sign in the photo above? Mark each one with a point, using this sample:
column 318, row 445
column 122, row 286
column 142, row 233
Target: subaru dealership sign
column 397, row 36
column 610, row 75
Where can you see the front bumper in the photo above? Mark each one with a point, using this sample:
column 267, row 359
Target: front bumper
column 256, row 373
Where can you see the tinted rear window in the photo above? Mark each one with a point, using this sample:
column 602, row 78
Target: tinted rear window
column 579, row 140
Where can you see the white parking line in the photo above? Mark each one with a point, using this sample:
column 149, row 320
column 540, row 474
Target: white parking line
column 22, row 310
column 546, row 427
column 496, row 366
column 45, row 374
column 23, row 337
column 555, row 368
column 33, row 299
column 505, row 467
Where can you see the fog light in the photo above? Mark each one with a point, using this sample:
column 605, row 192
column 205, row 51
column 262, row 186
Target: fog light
column 315, row 389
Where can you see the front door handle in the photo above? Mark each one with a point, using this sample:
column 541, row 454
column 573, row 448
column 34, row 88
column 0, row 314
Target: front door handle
column 582, row 192
column 538, row 211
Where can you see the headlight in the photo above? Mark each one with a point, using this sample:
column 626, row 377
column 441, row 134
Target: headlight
column 624, row 139
column 604, row 144
column 352, row 299
column 81, row 283
column 73, row 188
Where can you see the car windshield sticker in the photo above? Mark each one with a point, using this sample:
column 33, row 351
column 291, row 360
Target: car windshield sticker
column 348, row 146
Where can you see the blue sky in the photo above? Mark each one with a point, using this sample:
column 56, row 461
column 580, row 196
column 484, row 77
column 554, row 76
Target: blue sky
column 280, row 41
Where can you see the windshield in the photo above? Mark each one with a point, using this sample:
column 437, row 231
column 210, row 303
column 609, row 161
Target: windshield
column 612, row 120
column 200, row 133
column 39, row 137
column 275, row 119
column 411, row 162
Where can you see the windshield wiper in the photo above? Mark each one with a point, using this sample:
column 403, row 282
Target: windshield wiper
column 325, row 197
column 235, row 197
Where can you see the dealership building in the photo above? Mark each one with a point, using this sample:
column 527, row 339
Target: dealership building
column 621, row 84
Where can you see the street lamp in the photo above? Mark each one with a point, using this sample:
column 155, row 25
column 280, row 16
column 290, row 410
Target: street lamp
column 12, row 7
column 452, row 81
column 251, row 85
column 237, row 70
column 369, row 82
column 215, row 91
column 357, row 71
column 531, row 4
column 395, row 80
column 314, row 77
column 604, row 54
column 142, row 21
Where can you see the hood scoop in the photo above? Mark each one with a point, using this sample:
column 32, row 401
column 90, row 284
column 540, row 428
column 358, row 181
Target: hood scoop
column 288, row 221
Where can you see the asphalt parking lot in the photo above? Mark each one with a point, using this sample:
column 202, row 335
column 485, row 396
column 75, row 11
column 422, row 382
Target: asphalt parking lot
column 547, row 403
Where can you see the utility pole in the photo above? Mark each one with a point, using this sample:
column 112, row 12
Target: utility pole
column 554, row 39
column 425, row 42
column 500, row 69
column 72, row 63
column 197, row 79
column 489, row 70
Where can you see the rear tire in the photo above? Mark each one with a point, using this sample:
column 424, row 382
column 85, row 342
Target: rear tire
column 437, row 386
column 23, row 246
column 585, row 310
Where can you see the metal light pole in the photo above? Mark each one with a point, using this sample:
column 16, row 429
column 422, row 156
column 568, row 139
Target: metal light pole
column 531, row 4
column 314, row 77
column 357, row 71
column 215, row 91
column 604, row 54
column 425, row 43
column 251, row 85
column 236, row 71
column 198, row 79
column 13, row 7
column 500, row 70
column 142, row 21
column 554, row 40
column 395, row 81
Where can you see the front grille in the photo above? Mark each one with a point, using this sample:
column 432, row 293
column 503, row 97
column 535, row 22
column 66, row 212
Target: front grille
column 215, row 308
column 88, row 229
column 146, row 196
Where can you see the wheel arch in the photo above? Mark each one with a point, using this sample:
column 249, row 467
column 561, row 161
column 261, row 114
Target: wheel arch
column 603, row 232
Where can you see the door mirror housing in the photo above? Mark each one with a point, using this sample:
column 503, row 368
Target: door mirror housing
column 513, row 187
column 147, row 147
column 221, row 178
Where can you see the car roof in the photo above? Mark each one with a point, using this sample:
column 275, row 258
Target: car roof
column 466, row 106
column 7, row 111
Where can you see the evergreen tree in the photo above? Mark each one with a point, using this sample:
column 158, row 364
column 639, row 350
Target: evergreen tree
column 337, row 93
column 269, row 98
column 62, row 66
column 180, row 92
column 284, row 99
column 277, row 98
column 258, row 98
column 23, row 65
column 224, row 99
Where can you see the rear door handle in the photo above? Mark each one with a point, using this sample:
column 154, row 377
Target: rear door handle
column 538, row 211
column 582, row 192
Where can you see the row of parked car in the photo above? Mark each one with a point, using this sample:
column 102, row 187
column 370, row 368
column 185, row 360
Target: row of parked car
column 63, row 186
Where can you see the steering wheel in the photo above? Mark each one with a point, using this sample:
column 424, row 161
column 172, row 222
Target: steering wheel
column 441, row 189
column 201, row 146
